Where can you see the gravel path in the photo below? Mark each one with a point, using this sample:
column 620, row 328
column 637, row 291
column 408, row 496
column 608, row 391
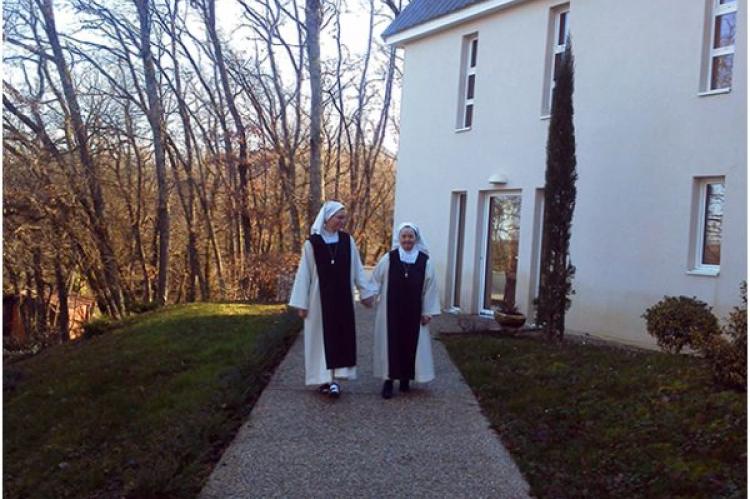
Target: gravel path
column 431, row 442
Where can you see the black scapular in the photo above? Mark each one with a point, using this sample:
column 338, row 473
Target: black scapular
column 333, row 262
column 405, row 283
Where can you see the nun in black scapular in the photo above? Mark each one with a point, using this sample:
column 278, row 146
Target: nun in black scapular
column 329, row 269
column 408, row 292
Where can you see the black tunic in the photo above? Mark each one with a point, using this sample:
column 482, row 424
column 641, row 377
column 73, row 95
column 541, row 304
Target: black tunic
column 336, row 301
column 404, row 313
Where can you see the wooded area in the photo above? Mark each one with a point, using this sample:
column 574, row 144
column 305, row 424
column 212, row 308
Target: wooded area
column 158, row 153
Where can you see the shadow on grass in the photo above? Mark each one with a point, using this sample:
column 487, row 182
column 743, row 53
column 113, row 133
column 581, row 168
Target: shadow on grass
column 142, row 411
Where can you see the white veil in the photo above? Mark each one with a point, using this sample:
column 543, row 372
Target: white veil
column 419, row 245
column 328, row 209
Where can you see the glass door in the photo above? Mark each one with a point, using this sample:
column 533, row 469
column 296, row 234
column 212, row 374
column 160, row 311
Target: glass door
column 503, row 227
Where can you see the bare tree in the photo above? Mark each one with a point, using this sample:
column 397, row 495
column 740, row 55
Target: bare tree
column 155, row 120
column 105, row 119
column 95, row 205
column 312, row 24
column 208, row 8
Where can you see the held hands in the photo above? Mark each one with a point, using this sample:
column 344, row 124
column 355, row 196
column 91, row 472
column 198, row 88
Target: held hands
column 368, row 302
column 302, row 313
column 426, row 319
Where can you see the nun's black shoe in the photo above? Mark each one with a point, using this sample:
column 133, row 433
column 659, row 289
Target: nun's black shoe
column 403, row 385
column 387, row 389
column 334, row 391
column 325, row 388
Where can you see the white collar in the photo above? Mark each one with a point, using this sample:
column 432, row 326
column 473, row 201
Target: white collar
column 408, row 256
column 329, row 237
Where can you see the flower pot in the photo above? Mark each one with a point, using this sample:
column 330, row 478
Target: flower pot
column 509, row 320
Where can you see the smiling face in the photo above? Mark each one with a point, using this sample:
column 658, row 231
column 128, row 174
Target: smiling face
column 407, row 238
column 337, row 221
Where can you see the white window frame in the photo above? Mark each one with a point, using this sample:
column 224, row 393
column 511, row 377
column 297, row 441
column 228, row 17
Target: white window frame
column 467, row 71
column 719, row 9
column 701, row 185
column 536, row 263
column 555, row 48
column 456, row 250
column 482, row 267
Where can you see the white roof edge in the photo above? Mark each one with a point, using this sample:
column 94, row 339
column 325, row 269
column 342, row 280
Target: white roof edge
column 448, row 21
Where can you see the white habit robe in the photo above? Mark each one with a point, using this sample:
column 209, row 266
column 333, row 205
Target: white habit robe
column 424, row 369
column 306, row 295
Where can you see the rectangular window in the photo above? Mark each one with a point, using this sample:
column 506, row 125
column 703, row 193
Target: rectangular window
column 721, row 44
column 558, row 39
column 467, row 85
column 536, row 244
column 709, row 213
column 456, row 255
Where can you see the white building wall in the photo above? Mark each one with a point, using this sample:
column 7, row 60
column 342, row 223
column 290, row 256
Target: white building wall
column 643, row 133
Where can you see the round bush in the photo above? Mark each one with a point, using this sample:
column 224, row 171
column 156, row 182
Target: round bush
column 96, row 327
column 677, row 322
column 728, row 361
column 141, row 307
column 727, row 353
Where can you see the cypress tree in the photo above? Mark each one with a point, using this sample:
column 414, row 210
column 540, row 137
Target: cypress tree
column 559, row 202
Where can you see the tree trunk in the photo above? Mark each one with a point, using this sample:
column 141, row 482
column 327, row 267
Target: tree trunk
column 210, row 17
column 40, row 315
column 155, row 121
column 288, row 187
column 101, row 233
column 63, row 320
column 136, row 217
column 312, row 23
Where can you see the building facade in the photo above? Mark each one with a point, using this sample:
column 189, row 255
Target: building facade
column 660, row 114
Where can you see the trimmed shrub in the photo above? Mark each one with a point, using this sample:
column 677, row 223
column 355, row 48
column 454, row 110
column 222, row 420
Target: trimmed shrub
column 727, row 353
column 269, row 278
column 736, row 327
column 677, row 322
column 140, row 307
column 97, row 327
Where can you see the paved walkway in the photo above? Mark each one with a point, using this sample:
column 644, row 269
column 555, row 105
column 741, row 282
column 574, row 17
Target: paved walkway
column 431, row 442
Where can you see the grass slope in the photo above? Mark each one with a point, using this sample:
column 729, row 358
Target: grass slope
column 142, row 411
column 592, row 421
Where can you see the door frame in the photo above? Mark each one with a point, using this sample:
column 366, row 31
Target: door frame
column 484, row 235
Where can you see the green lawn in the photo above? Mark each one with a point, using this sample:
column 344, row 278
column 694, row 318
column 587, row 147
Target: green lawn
column 593, row 421
column 142, row 411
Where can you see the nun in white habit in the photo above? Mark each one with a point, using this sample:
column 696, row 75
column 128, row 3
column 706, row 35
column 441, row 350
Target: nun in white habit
column 408, row 292
column 329, row 269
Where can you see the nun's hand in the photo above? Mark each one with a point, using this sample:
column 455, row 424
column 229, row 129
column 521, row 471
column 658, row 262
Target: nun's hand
column 426, row 319
column 302, row 313
column 367, row 302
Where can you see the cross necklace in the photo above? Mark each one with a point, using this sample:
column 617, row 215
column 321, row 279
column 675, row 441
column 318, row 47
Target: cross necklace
column 405, row 268
column 332, row 253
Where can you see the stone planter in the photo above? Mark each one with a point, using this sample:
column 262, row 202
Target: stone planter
column 509, row 321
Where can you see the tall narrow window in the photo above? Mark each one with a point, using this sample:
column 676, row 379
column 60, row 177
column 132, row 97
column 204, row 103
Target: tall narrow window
column 721, row 42
column 536, row 260
column 558, row 40
column 456, row 255
column 709, row 216
column 468, row 81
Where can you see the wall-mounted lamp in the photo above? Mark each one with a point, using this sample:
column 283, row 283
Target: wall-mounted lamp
column 498, row 178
